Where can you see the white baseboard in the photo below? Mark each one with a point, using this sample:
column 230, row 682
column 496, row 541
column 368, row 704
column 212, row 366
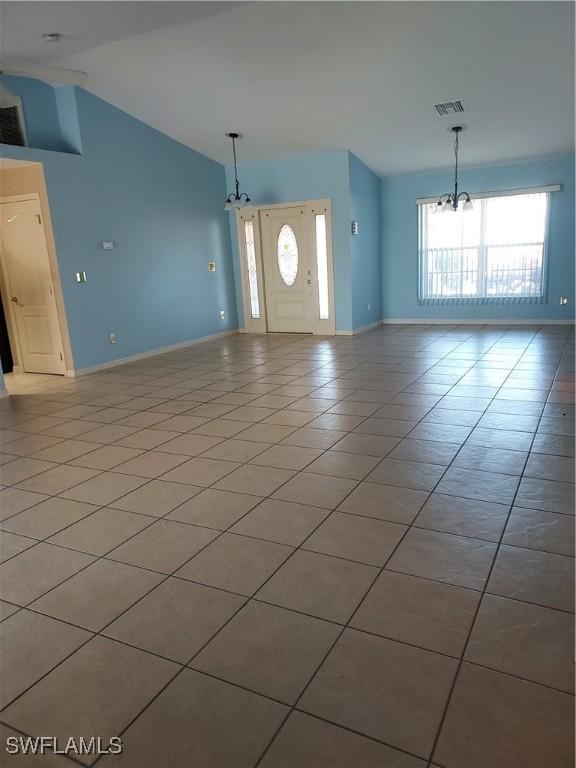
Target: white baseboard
column 459, row 321
column 149, row 353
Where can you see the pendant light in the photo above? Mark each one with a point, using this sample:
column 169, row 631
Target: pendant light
column 235, row 199
column 450, row 200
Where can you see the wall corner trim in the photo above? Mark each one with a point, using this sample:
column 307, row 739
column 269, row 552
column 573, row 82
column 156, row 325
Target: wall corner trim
column 360, row 329
column 4, row 393
column 150, row 353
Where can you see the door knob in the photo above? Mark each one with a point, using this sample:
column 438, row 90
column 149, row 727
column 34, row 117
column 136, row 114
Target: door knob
column 309, row 282
column 15, row 300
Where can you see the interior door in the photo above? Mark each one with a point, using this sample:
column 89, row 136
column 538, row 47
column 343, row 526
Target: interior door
column 29, row 287
column 287, row 269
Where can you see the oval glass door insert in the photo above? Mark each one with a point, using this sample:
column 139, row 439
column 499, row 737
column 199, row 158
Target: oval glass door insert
column 287, row 255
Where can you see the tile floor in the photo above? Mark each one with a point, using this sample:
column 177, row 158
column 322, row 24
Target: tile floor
column 296, row 551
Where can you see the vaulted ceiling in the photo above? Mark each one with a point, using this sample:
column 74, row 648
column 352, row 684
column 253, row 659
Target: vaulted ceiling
column 297, row 76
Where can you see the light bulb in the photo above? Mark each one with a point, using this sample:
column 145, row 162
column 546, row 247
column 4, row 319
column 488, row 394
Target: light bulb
column 468, row 205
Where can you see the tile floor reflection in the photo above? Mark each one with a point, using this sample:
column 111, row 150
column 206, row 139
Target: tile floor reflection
column 296, row 551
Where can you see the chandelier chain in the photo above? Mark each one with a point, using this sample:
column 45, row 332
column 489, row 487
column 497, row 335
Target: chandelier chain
column 236, row 165
column 452, row 199
column 456, row 165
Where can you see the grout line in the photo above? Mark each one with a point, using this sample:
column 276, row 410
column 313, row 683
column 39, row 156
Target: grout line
column 475, row 618
column 337, row 376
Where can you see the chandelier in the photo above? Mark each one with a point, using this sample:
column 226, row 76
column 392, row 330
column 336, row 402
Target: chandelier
column 450, row 200
column 235, row 199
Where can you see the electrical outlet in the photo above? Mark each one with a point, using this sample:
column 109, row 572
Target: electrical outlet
column 211, row 266
column 563, row 300
column 221, row 314
column 113, row 338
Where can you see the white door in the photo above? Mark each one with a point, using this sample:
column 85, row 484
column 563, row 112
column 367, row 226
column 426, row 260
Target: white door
column 288, row 278
column 29, row 287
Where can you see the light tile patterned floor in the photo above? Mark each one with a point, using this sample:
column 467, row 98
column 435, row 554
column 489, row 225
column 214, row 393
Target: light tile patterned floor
column 295, row 551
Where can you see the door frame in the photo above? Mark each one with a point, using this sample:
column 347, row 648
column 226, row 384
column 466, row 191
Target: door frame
column 56, row 285
column 254, row 213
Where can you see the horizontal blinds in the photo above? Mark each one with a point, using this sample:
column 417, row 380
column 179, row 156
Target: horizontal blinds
column 494, row 253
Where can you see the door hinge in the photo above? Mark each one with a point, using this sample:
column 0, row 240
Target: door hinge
column 61, row 357
column 39, row 219
column 51, row 294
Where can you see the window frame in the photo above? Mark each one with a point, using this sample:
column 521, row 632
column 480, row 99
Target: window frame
column 483, row 298
column 251, row 324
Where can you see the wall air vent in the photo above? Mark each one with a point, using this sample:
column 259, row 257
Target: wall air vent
column 449, row 108
column 11, row 127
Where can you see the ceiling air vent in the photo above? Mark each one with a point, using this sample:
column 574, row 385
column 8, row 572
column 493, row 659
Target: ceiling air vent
column 449, row 108
column 11, row 127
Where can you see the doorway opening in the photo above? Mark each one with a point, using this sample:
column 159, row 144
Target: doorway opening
column 33, row 331
column 287, row 268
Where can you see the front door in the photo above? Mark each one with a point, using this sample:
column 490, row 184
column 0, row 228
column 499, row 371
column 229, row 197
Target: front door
column 29, row 287
column 287, row 269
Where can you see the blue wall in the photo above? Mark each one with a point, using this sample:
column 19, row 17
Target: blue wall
column 297, row 177
column 67, row 107
column 49, row 113
column 162, row 204
column 366, row 264
column 399, row 238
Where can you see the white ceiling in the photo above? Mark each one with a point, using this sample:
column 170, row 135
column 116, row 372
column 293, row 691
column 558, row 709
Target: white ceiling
column 296, row 76
column 87, row 24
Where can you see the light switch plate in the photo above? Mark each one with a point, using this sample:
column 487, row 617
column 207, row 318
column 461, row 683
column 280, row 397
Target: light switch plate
column 108, row 245
column 354, row 228
column 80, row 277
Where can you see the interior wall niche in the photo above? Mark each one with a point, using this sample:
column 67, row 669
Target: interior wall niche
column 48, row 113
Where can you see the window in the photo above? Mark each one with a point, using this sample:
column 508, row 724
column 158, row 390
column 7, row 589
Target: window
column 493, row 252
column 251, row 267
column 287, row 252
column 322, row 266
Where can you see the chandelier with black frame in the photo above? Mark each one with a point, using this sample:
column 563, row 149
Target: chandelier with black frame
column 451, row 200
column 235, row 199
